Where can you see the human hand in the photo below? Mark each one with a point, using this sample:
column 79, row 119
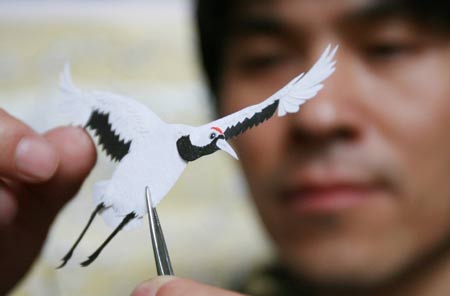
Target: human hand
column 172, row 286
column 38, row 175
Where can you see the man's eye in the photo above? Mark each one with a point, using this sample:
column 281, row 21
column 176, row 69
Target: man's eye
column 262, row 62
column 385, row 51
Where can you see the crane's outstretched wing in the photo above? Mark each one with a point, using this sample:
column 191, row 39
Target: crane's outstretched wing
column 286, row 100
column 115, row 119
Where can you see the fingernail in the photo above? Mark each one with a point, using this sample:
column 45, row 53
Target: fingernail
column 36, row 159
column 7, row 207
column 151, row 287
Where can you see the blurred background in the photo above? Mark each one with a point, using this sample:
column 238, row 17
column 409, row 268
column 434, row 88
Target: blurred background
column 145, row 50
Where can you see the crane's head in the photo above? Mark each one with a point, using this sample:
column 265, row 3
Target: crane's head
column 203, row 141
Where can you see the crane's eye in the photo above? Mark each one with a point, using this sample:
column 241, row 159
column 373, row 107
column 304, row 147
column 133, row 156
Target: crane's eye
column 212, row 135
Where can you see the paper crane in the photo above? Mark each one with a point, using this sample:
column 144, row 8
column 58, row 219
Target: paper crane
column 153, row 153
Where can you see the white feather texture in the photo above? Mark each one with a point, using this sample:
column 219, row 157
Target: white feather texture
column 129, row 118
column 306, row 86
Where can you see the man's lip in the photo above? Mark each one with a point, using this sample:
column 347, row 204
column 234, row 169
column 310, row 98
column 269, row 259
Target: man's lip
column 327, row 198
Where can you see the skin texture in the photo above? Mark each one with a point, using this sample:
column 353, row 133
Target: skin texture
column 30, row 202
column 172, row 286
column 377, row 133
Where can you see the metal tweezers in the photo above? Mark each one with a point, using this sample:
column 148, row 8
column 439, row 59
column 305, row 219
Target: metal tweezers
column 162, row 259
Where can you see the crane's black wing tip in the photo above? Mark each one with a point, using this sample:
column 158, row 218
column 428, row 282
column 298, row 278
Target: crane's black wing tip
column 253, row 121
column 111, row 143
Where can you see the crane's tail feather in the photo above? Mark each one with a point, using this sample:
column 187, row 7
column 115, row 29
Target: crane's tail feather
column 69, row 254
column 75, row 105
column 111, row 215
column 94, row 255
column 98, row 192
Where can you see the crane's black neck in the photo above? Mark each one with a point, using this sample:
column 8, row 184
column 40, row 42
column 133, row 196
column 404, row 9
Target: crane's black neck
column 190, row 152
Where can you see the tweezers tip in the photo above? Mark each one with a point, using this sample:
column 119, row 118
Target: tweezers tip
column 148, row 198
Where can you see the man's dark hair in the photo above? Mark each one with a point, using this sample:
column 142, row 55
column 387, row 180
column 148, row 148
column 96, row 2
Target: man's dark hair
column 214, row 19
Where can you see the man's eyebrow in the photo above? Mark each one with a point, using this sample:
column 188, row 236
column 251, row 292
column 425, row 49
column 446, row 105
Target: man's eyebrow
column 258, row 24
column 374, row 12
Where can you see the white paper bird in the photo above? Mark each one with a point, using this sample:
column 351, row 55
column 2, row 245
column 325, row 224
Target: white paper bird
column 153, row 153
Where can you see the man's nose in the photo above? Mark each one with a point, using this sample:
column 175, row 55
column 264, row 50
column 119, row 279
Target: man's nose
column 333, row 114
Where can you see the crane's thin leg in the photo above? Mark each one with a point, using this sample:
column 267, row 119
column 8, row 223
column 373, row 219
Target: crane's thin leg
column 69, row 254
column 122, row 224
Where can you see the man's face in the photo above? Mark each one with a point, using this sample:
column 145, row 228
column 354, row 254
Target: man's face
column 354, row 188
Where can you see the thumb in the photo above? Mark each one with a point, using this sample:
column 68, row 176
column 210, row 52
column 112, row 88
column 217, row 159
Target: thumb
column 172, row 286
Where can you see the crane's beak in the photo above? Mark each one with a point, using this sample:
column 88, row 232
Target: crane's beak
column 223, row 145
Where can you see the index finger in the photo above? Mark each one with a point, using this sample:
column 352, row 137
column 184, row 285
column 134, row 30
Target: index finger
column 24, row 154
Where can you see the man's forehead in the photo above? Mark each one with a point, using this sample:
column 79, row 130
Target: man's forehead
column 308, row 11
column 302, row 6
